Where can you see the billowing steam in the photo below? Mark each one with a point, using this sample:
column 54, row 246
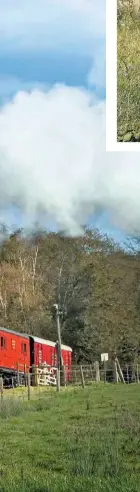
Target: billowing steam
column 53, row 161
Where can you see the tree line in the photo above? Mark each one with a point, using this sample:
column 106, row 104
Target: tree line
column 95, row 282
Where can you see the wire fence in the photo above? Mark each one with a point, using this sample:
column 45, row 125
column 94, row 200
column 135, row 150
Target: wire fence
column 105, row 373
column 41, row 379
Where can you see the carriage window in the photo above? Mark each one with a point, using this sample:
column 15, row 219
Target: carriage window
column 3, row 342
column 23, row 348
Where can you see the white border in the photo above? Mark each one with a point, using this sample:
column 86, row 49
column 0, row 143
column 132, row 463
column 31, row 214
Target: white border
column 111, row 74
column 111, row 83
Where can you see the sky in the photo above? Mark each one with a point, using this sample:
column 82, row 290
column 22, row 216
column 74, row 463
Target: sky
column 54, row 52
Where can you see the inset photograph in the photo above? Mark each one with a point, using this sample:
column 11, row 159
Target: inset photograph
column 128, row 71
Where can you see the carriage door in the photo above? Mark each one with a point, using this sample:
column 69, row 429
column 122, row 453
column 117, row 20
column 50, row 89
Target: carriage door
column 3, row 347
column 39, row 354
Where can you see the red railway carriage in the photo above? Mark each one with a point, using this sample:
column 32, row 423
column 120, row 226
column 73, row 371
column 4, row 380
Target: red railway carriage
column 23, row 351
column 45, row 351
column 14, row 349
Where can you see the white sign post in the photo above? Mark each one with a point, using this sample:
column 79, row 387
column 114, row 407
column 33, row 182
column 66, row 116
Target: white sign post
column 104, row 358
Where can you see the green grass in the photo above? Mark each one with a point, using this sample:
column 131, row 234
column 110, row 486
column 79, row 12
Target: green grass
column 76, row 441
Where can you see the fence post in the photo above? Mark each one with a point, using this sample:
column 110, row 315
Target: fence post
column 104, row 371
column 115, row 372
column 127, row 373
column 120, row 371
column 97, row 371
column 75, row 378
column 1, row 388
column 82, row 377
column 91, row 372
column 57, row 379
column 35, row 375
column 17, row 374
column 138, row 373
column 63, row 376
column 25, row 374
column 29, row 386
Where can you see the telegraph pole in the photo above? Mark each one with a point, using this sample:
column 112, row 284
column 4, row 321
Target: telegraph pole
column 59, row 364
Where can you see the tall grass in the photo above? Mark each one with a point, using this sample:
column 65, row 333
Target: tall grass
column 73, row 442
column 10, row 407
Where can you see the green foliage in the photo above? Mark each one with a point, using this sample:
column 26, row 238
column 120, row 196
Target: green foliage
column 128, row 69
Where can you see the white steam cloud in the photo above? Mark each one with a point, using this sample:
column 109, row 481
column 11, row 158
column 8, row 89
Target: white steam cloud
column 53, row 161
column 97, row 74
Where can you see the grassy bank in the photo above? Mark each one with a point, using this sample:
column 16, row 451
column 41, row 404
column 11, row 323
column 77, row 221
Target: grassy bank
column 128, row 70
column 75, row 441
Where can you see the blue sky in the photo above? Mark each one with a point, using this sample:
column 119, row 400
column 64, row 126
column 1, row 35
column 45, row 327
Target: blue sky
column 53, row 42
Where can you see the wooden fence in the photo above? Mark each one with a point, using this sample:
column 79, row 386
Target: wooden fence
column 78, row 375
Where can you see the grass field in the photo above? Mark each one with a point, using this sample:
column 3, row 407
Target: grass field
column 81, row 440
